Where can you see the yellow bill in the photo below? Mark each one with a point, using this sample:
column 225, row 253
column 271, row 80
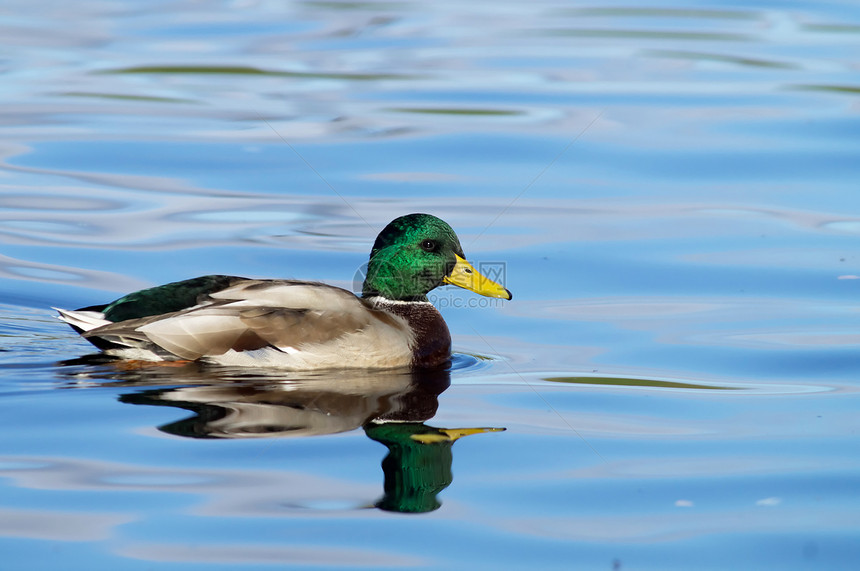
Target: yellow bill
column 465, row 276
column 450, row 434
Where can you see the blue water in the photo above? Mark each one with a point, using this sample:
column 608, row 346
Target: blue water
column 669, row 190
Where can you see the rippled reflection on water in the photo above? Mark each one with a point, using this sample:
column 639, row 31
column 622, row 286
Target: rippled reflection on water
column 671, row 190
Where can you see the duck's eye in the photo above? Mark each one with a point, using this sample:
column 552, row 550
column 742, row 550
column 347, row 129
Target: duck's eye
column 429, row 245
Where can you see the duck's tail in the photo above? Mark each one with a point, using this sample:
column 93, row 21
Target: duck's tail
column 82, row 320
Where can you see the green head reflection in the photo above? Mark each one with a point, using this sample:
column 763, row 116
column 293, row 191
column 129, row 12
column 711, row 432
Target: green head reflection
column 418, row 465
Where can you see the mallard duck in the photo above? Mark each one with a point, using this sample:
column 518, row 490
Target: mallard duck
column 299, row 325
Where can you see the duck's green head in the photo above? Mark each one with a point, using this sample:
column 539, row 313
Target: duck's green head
column 416, row 253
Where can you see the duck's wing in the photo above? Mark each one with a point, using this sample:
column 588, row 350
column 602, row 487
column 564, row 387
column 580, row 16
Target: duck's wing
column 154, row 301
column 292, row 324
column 166, row 298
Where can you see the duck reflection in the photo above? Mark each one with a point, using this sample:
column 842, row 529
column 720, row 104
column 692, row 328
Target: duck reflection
column 302, row 406
column 390, row 406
